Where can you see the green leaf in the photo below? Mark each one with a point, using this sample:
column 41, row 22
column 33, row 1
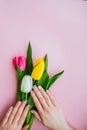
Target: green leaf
column 19, row 94
column 30, row 101
column 29, row 60
column 23, row 96
column 32, row 117
column 53, row 79
column 20, row 75
column 27, row 117
column 44, row 80
column 46, row 62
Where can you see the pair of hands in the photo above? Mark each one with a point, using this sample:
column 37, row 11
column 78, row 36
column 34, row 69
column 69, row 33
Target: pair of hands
column 48, row 113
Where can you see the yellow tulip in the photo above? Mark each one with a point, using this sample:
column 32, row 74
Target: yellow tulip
column 38, row 69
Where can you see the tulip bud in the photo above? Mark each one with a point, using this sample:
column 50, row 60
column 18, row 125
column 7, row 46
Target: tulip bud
column 19, row 62
column 26, row 84
column 38, row 69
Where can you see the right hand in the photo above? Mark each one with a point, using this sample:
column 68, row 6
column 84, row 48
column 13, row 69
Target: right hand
column 48, row 111
column 15, row 117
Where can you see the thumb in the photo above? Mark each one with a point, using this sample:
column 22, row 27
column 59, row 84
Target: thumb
column 25, row 127
column 36, row 114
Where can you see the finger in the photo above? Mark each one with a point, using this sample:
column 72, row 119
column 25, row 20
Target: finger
column 36, row 115
column 37, row 103
column 23, row 116
column 14, row 112
column 40, row 97
column 19, row 112
column 5, row 119
column 25, row 127
column 52, row 98
column 45, row 95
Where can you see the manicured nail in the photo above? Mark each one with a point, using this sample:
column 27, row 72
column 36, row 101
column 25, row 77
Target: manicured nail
column 34, row 86
column 28, row 105
column 39, row 86
column 25, row 101
column 11, row 107
column 47, row 91
column 19, row 102
column 31, row 112
column 27, row 126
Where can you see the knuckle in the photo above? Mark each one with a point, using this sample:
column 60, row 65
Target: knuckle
column 36, row 102
column 12, row 116
column 14, row 111
column 26, row 110
column 35, row 99
column 22, row 105
column 19, row 112
column 46, row 109
column 41, row 98
column 41, row 113
column 24, row 113
column 47, row 98
column 23, row 116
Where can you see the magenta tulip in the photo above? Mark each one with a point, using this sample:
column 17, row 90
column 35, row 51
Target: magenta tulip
column 19, row 62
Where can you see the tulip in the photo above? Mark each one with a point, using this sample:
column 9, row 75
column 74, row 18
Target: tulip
column 19, row 62
column 26, row 84
column 38, row 69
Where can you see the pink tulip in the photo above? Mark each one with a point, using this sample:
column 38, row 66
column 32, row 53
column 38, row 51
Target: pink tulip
column 19, row 62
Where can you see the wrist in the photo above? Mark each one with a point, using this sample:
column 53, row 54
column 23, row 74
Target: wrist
column 63, row 127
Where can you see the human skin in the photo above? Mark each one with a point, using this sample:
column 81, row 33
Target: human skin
column 48, row 112
column 15, row 117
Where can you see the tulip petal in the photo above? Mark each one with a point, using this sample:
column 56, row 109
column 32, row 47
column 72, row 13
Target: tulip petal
column 22, row 62
column 15, row 62
column 27, row 84
column 38, row 69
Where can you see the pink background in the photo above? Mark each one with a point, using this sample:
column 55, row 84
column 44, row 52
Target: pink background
column 55, row 27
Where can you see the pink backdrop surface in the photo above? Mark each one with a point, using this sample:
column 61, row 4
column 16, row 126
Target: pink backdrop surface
column 55, row 27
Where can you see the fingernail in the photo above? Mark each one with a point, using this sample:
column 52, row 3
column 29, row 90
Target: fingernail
column 19, row 102
column 25, row 101
column 11, row 107
column 31, row 112
column 39, row 87
column 34, row 86
column 27, row 126
column 47, row 91
column 28, row 105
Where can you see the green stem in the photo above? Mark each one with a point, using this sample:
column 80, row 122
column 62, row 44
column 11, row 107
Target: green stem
column 31, row 121
column 19, row 92
column 34, row 82
column 26, row 96
column 27, row 118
